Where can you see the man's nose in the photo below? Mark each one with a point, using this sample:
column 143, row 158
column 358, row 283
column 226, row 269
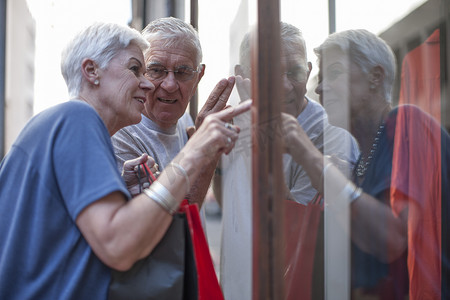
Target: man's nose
column 169, row 82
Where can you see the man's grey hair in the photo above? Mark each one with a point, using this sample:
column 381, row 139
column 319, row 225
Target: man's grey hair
column 291, row 40
column 366, row 50
column 174, row 32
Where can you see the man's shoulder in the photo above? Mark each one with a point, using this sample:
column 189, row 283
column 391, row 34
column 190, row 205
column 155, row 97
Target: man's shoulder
column 313, row 114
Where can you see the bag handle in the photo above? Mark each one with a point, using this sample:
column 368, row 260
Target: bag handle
column 148, row 173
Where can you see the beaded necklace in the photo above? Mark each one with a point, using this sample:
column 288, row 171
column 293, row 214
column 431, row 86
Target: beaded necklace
column 363, row 163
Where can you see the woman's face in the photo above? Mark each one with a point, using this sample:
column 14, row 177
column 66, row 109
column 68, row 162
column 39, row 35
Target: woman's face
column 124, row 87
column 168, row 102
column 343, row 87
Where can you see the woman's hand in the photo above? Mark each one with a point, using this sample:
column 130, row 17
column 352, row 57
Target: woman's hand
column 293, row 134
column 298, row 144
column 215, row 136
column 244, row 87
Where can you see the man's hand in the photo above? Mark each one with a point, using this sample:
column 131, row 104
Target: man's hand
column 217, row 100
column 130, row 173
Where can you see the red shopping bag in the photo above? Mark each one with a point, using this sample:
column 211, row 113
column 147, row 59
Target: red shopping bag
column 301, row 229
column 208, row 284
column 180, row 266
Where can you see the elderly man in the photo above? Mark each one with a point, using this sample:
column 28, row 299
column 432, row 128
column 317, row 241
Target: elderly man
column 173, row 63
column 234, row 176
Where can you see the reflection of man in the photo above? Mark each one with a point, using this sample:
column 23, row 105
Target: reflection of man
column 236, row 168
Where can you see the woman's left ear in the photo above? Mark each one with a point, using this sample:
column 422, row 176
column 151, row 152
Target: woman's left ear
column 376, row 77
column 89, row 71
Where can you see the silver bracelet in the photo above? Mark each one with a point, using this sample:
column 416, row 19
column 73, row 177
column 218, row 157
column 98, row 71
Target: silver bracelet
column 351, row 192
column 158, row 200
column 183, row 171
column 158, row 193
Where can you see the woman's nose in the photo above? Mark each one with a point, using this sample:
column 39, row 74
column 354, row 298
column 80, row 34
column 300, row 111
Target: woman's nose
column 146, row 84
column 319, row 89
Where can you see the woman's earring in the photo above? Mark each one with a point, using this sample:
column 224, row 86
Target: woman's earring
column 96, row 82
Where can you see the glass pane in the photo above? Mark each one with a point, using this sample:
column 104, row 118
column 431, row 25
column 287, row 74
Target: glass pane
column 387, row 243
column 235, row 177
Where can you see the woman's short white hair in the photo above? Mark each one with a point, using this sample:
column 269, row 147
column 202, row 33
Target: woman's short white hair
column 99, row 42
column 366, row 50
column 174, row 32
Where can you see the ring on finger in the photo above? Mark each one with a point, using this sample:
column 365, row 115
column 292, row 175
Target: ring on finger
column 228, row 141
column 229, row 126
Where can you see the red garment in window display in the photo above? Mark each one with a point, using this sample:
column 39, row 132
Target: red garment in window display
column 416, row 183
column 421, row 80
column 301, row 233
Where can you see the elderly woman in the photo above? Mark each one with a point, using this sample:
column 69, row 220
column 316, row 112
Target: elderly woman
column 173, row 63
column 67, row 218
column 397, row 187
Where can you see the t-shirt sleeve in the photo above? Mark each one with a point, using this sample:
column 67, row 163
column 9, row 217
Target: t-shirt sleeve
column 85, row 164
column 126, row 147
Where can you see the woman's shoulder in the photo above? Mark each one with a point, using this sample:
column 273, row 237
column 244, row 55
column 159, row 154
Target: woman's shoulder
column 70, row 107
column 411, row 112
column 68, row 115
column 73, row 110
column 75, row 106
column 409, row 109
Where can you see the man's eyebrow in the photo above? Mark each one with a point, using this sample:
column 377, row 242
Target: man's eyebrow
column 137, row 60
column 154, row 63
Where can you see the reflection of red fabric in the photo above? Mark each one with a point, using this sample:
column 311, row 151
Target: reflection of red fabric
column 301, row 226
column 420, row 84
column 416, row 183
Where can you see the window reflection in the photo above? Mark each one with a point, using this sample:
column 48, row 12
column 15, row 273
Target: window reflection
column 383, row 133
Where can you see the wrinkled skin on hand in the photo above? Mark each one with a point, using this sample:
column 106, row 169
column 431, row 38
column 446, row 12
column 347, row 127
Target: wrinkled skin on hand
column 213, row 138
column 244, row 87
column 217, row 100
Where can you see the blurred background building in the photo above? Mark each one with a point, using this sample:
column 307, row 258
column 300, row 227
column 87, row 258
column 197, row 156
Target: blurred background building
column 17, row 48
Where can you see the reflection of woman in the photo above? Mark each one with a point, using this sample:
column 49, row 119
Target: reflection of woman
column 396, row 194
column 65, row 220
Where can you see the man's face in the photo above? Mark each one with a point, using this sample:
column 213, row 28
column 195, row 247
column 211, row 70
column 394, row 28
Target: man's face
column 295, row 73
column 168, row 102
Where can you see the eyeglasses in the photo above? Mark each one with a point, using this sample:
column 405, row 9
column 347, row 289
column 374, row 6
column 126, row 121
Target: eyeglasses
column 296, row 74
column 182, row 73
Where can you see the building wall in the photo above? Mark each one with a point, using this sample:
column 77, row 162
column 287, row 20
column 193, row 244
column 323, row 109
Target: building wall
column 145, row 11
column 19, row 71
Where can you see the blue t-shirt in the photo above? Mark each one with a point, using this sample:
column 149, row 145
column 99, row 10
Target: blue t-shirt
column 61, row 162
